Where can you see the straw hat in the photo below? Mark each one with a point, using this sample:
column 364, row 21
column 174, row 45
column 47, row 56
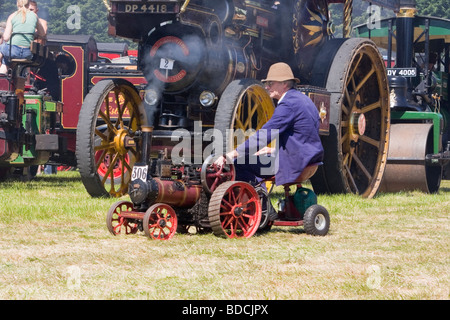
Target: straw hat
column 280, row 72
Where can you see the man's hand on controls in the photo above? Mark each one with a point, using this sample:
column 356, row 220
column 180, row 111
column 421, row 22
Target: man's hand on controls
column 230, row 156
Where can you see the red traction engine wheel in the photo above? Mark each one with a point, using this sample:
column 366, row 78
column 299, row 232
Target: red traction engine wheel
column 235, row 210
column 160, row 222
column 116, row 221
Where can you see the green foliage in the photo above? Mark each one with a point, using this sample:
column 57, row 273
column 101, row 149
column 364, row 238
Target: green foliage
column 436, row 8
column 360, row 15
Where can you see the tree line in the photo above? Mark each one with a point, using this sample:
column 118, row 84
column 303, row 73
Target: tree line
column 69, row 17
column 90, row 16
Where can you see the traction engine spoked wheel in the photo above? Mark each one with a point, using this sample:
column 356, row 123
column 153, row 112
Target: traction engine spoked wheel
column 106, row 152
column 244, row 106
column 356, row 149
column 160, row 222
column 235, row 210
column 117, row 224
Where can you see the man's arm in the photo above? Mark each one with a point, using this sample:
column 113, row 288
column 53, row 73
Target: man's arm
column 41, row 29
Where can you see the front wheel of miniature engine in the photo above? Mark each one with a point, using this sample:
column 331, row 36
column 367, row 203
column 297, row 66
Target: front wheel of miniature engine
column 316, row 220
column 235, row 210
column 116, row 224
column 160, row 222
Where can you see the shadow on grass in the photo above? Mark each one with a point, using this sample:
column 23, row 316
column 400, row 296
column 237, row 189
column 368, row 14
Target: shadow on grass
column 280, row 230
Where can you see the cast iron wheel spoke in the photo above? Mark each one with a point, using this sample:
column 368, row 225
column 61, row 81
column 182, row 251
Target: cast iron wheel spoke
column 104, row 146
column 227, row 219
column 100, row 159
column 119, row 123
column 110, row 169
column 348, row 98
column 224, row 204
column 125, row 165
column 354, row 69
column 361, row 166
column 251, row 112
column 118, row 227
column 352, row 181
column 364, row 80
column 242, row 224
column 107, row 121
column 345, row 108
column 101, row 135
column 371, row 141
column 373, row 106
column 239, row 194
column 239, row 124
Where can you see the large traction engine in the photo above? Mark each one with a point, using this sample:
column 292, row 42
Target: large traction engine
column 201, row 60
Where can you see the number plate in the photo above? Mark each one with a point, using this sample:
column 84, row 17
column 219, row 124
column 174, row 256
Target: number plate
column 139, row 172
column 148, row 8
column 166, row 64
column 402, row 72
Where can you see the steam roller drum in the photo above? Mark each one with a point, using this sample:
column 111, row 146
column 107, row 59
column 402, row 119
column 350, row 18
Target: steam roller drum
column 406, row 169
column 173, row 57
column 353, row 71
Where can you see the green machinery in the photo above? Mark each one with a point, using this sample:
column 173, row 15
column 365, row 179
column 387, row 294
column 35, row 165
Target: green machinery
column 416, row 52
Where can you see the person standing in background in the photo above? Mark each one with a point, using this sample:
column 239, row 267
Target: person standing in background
column 34, row 8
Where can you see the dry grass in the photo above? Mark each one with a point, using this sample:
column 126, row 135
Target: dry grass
column 54, row 245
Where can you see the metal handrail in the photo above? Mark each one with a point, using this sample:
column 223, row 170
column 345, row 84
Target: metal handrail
column 10, row 41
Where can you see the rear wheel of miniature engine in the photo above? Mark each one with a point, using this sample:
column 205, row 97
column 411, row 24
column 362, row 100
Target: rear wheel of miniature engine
column 106, row 150
column 160, row 222
column 356, row 148
column 316, row 220
column 116, row 224
column 235, row 210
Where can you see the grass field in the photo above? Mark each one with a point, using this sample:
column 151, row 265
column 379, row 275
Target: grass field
column 54, row 244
